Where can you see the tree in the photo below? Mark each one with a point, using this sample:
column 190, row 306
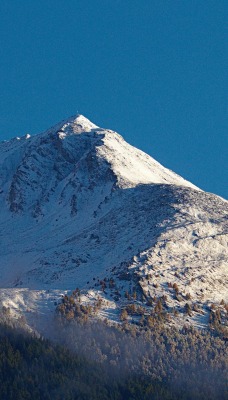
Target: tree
column 123, row 315
column 188, row 309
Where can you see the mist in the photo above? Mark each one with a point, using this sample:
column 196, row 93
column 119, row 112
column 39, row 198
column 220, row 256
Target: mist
column 190, row 363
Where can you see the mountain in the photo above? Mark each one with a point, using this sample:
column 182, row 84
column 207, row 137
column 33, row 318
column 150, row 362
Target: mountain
column 81, row 208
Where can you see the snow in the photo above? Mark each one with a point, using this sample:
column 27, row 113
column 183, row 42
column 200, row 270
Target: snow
column 78, row 204
column 133, row 167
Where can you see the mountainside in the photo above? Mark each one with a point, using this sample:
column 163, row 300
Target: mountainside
column 81, row 208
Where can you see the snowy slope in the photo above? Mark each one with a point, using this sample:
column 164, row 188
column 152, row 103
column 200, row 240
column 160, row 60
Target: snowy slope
column 79, row 204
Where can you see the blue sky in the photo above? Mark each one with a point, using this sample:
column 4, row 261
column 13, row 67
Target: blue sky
column 155, row 71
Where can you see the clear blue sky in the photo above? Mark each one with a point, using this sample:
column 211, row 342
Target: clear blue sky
column 155, row 71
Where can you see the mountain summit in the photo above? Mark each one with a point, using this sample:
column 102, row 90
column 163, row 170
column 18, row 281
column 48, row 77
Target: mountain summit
column 74, row 152
column 80, row 206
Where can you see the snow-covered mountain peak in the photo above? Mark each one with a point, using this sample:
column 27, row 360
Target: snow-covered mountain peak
column 76, row 124
column 74, row 154
column 79, row 124
column 79, row 204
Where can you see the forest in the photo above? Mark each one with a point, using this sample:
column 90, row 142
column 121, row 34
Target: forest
column 90, row 360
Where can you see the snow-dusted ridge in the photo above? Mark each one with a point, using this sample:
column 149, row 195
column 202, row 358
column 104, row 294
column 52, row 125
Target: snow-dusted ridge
column 78, row 204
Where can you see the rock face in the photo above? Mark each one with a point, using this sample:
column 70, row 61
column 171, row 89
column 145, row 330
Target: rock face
column 79, row 205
